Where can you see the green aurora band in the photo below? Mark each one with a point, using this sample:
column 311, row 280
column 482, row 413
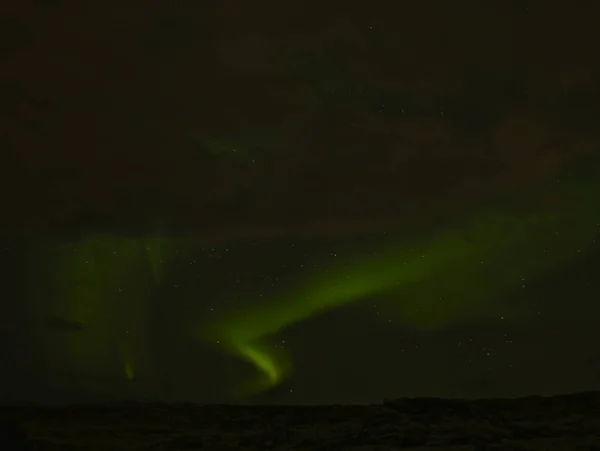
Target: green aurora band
column 463, row 270
column 455, row 273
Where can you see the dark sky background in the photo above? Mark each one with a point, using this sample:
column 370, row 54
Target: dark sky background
column 258, row 139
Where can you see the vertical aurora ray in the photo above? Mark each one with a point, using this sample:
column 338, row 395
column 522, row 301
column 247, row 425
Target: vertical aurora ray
column 456, row 273
column 102, row 282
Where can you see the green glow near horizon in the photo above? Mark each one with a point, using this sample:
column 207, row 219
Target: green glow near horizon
column 103, row 282
column 452, row 274
column 461, row 271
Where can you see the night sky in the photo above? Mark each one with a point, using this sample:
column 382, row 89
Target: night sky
column 298, row 202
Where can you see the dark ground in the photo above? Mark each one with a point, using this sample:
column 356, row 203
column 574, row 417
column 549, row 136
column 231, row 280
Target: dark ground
column 561, row 422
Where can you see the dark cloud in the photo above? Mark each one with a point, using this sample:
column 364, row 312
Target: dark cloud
column 230, row 121
column 62, row 324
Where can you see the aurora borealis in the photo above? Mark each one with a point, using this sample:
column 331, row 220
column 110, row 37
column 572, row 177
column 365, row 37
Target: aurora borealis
column 103, row 283
column 315, row 207
column 450, row 275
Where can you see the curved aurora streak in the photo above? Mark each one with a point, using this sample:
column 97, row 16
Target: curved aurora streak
column 442, row 276
column 452, row 274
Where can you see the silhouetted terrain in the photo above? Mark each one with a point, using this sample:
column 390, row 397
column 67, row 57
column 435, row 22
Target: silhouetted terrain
column 561, row 422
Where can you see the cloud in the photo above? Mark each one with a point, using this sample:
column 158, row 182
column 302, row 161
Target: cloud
column 63, row 325
column 358, row 136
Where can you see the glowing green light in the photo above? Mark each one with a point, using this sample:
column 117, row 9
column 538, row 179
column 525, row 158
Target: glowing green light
column 102, row 282
column 129, row 371
column 458, row 272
